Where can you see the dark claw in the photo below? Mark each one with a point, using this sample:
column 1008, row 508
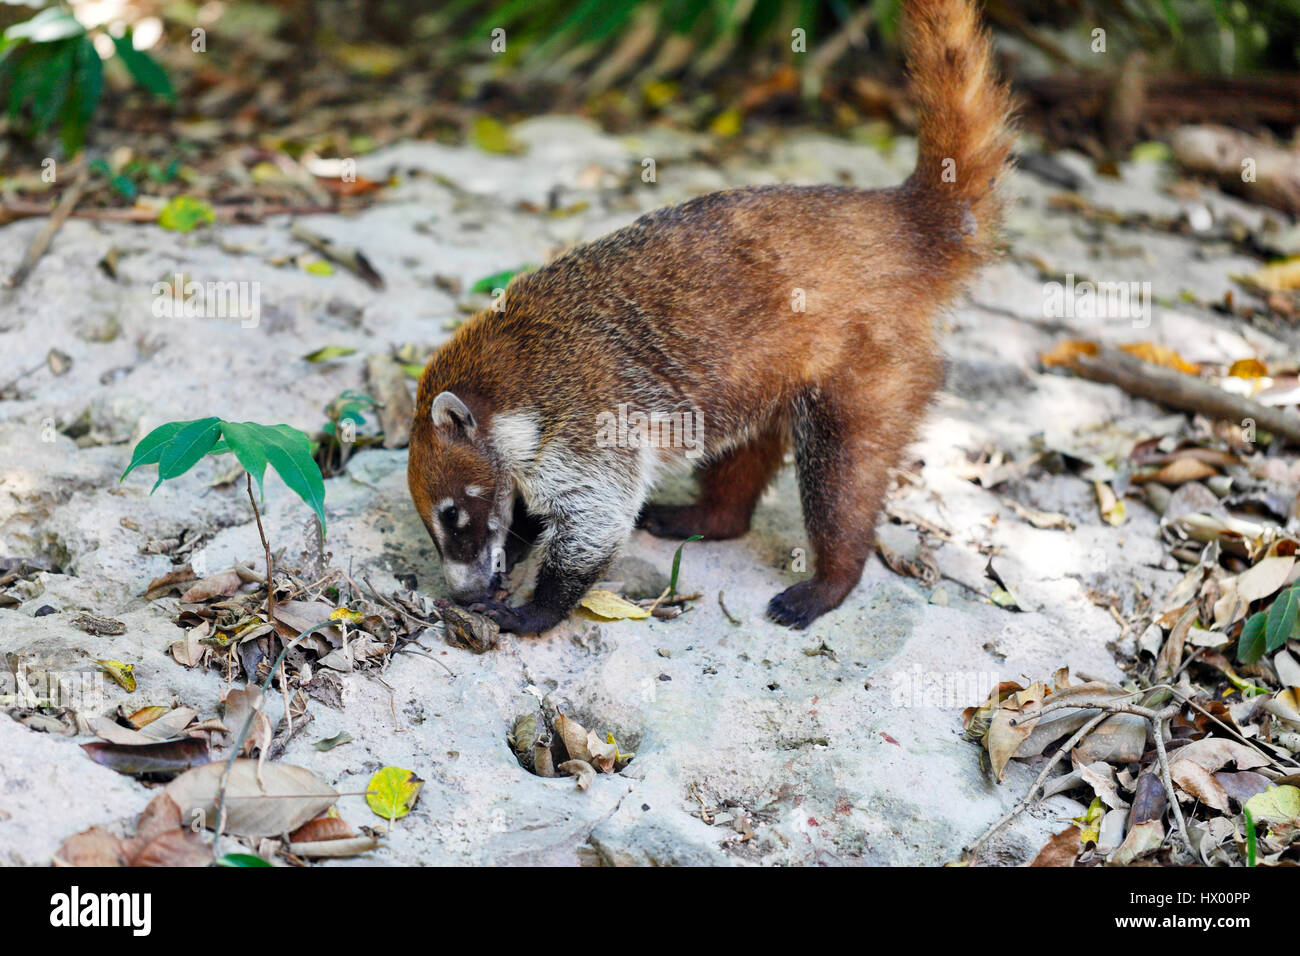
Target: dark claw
column 508, row 618
column 797, row 606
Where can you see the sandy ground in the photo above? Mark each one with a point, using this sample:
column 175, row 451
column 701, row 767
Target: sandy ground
column 850, row 757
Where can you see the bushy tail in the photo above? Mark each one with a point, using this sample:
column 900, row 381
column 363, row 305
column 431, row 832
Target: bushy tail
column 965, row 120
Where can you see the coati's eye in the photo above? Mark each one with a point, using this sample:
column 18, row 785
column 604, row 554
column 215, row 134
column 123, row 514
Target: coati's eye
column 449, row 514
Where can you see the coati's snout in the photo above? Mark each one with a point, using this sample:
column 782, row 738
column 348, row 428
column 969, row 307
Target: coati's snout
column 456, row 491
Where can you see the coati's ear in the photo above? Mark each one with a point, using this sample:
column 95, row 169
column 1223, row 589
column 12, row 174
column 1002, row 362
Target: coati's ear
column 452, row 416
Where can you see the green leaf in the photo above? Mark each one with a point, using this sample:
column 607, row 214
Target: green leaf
column 677, row 564
column 289, row 452
column 243, row 439
column 87, row 86
column 53, row 84
column 1282, row 618
column 1250, row 835
column 1250, row 646
column 497, row 280
column 241, row 860
column 490, row 135
column 149, row 449
column 143, row 68
column 185, row 213
column 186, row 447
column 329, row 353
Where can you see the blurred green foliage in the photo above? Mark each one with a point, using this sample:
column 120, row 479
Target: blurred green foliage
column 51, row 75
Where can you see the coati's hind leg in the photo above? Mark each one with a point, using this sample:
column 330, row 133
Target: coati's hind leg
column 846, row 439
column 729, row 491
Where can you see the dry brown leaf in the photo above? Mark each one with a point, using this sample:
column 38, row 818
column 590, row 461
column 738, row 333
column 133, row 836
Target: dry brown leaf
column 1213, row 753
column 1178, row 472
column 220, row 585
column 1141, row 840
column 322, row 828
column 175, row 580
column 1059, row 850
column 1191, row 777
column 284, row 799
column 175, row 848
column 602, row 753
column 93, row 847
column 1265, row 578
column 1004, row 738
column 574, row 737
column 580, row 769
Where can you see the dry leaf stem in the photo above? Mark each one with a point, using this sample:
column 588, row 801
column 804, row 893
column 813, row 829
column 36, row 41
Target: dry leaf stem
column 248, row 726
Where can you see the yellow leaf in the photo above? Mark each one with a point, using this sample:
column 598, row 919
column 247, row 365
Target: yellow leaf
column 123, row 674
column 1161, row 355
column 318, row 267
column 1112, row 507
column 1090, row 822
column 1279, row 276
column 392, row 792
column 146, row 716
column 345, row 614
column 610, row 606
column 491, row 136
column 1066, row 352
column 726, row 124
column 1276, row 805
column 1248, row 368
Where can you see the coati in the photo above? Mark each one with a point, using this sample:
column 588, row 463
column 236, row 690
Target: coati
column 758, row 319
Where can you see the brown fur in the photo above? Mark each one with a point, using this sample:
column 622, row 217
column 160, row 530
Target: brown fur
column 690, row 309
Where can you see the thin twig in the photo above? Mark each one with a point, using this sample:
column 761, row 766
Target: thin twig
column 248, row 725
column 67, row 203
column 733, row 620
column 1028, row 798
column 1156, row 718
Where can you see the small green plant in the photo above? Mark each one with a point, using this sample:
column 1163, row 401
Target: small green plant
column 677, row 564
column 1250, row 836
column 176, row 447
column 340, row 437
column 52, row 76
column 1266, row 631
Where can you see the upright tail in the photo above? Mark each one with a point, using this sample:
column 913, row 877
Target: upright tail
column 965, row 122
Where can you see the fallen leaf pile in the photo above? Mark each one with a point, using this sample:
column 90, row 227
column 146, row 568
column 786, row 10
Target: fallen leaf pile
column 276, row 811
column 1235, row 785
column 563, row 747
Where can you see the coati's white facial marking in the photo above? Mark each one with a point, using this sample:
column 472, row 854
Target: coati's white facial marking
column 467, row 581
column 475, row 491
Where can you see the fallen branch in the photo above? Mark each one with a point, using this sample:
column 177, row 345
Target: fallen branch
column 233, row 212
column 351, row 258
column 1183, row 392
column 67, row 203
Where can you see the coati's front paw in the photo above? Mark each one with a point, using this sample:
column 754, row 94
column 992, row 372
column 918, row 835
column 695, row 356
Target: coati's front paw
column 515, row 620
column 683, row 521
column 800, row 605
